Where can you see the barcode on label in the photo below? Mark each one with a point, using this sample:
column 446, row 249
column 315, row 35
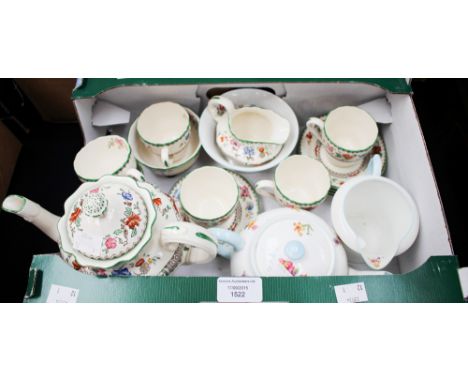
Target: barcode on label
column 239, row 289
column 349, row 293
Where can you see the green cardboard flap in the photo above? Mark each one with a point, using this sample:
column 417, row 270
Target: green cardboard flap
column 436, row 281
column 91, row 87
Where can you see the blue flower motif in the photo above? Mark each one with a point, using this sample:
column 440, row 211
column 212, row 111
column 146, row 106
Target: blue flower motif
column 249, row 151
column 250, row 206
column 127, row 195
column 121, row 272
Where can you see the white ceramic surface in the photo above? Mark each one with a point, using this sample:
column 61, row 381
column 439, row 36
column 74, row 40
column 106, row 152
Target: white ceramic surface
column 164, row 128
column 209, row 195
column 311, row 146
column 248, row 209
column 347, row 132
column 120, row 225
column 249, row 97
column 289, row 242
column 299, row 181
column 375, row 218
column 181, row 161
column 108, row 155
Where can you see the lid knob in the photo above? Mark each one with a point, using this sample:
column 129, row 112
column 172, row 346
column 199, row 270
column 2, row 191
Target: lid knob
column 94, row 204
column 294, row 249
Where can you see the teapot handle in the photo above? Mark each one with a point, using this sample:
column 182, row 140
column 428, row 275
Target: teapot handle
column 218, row 107
column 203, row 245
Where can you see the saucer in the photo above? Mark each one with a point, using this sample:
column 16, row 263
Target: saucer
column 313, row 148
column 183, row 160
column 246, row 212
column 249, row 97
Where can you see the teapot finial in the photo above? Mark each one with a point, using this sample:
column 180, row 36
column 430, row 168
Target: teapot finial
column 94, row 204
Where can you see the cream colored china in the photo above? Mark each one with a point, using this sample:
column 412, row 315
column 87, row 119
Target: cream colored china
column 299, row 182
column 120, row 225
column 108, row 155
column 165, row 129
column 247, row 210
column 181, row 161
column 287, row 242
column 348, row 134
column 249, row 135
column 375, row 218
column 209, row 195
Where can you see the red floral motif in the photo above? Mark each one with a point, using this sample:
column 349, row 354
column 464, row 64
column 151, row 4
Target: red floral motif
column 261, row 149
column 157, row 201
column 94, row 190
column 139, row 263
column 309, row 136
column 76, row 266
column 133, row 221
column 348, row 156
column 376, row 150
column 330, row 148
column 75, row 214
column 110, row 243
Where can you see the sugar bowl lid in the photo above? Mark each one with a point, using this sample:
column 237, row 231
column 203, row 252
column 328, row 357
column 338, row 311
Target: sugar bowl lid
column 109, row 218
column 288, row 242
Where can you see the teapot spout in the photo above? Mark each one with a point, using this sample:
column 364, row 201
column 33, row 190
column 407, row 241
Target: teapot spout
column 33, row 213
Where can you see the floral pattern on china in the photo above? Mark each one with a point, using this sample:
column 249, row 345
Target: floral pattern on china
column 115, row 234
column 249, row 135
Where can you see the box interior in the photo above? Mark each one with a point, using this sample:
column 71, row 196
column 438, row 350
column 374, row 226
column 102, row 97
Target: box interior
column 408, row 160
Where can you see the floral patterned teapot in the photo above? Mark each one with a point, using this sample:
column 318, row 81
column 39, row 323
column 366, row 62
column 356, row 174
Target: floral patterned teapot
column 248, row 135
column 120, row 225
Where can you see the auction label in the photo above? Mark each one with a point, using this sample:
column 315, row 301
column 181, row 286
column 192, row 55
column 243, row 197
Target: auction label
column 62, row 294
column 239, row 289
column 351, row 293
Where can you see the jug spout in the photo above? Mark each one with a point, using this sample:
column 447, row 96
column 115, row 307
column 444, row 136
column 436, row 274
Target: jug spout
column 33, row 213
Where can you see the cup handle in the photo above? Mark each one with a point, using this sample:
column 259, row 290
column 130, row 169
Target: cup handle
column 203, row 245
column 135, row 174
column 218, row 106
column 265, row 188
column 229, row 242
column 165, row 157
column 317, row 125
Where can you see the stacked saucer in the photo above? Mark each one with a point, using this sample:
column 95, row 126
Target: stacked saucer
column 172, row 151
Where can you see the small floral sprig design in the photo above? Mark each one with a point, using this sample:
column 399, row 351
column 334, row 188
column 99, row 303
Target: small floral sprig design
column 244, row 191
column 252, row 225
column 117, row 142
column 249, row 152
column 289, row 266
column 376, row 262
column 75, row 214
column 302, row 228
column 309, row 137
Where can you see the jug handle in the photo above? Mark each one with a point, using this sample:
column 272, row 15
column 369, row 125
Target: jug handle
column 317, row 125
column 219, row 107
column 265, row 188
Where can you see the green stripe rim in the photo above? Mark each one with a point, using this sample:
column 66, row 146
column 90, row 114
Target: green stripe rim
column 84, row 179
column 137, row 249
column 346, row 150
column 167, row 143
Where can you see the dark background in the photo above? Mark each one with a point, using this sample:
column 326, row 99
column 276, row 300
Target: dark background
column 44, row 171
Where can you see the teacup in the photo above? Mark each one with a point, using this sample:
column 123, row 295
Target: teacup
column 300, row 182
column 348, row 134
column 108, row 155
column 209, row 195
column 164, row 128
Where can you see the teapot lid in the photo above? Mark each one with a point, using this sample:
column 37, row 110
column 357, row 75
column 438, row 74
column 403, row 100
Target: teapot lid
column 288, row 242
column 107, row 219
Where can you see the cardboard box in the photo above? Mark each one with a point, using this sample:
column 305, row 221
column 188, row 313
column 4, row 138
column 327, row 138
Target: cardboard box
column 10, row 148
column 408, row 164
